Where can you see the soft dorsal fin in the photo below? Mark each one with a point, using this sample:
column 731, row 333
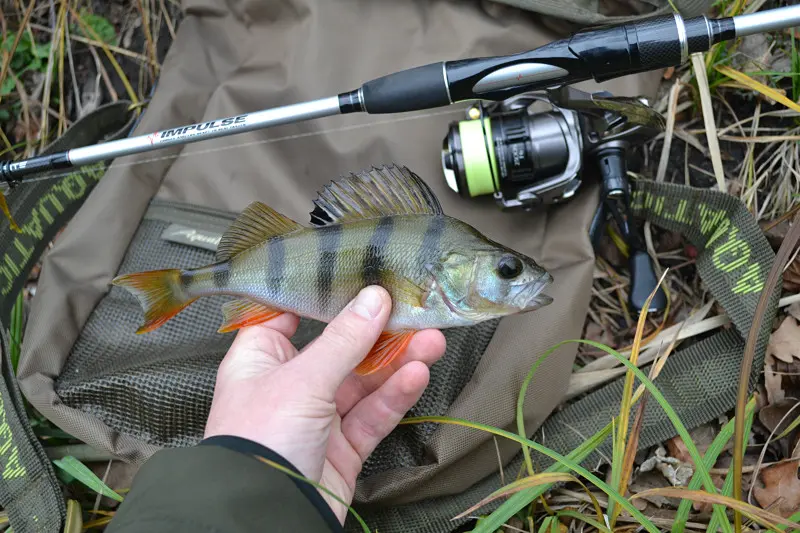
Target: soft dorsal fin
column 388, row 190
column 257, row 223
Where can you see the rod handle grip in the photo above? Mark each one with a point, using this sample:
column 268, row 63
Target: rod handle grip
column 407, row 90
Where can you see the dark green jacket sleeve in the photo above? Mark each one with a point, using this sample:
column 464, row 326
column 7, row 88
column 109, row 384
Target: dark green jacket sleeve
column 219, row 486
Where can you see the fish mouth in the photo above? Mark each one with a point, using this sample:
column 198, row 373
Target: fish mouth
column 530, row 296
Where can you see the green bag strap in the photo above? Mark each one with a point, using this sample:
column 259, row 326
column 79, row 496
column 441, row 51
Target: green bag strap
column 29, row 489
column 701, row 381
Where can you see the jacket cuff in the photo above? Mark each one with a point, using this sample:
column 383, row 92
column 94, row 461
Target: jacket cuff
column 252, row 448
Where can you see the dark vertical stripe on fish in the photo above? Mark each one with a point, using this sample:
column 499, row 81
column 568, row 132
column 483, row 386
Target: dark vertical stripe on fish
column 431, row 240
column 329, row 239
column 187, row 278
column 222, row 275
column 276, row 257
column 373, row 261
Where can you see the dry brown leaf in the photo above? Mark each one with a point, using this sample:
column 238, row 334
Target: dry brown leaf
column 678, row 450
column 598, row 333
column 702, row 436
column 772, row 415
column 784, row 343
column 651, row 480
column 794, row 310
column 775, row 232
column 791, row 277
column 780, row 482
column 773, row 381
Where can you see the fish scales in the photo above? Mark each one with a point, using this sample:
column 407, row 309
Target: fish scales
column 317, row 271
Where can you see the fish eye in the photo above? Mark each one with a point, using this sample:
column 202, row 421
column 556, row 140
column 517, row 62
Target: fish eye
column 509, row 267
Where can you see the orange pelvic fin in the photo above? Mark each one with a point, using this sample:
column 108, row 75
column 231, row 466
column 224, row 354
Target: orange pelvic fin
column 390, row 345
column 242, row 313
column 159, row 292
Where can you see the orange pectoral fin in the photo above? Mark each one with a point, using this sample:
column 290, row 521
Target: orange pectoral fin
column 389, row 346
column 242, row 313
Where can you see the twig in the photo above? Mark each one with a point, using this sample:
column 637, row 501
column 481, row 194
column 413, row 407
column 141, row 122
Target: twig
column 749, row 167
column 62, row 113
column 148, row 37
column 708, row 119
column 49, row 77
column 104, row 74
column 167, row 19
column 93, row 42
column 792, row 237
column 111, row 59
column 687, row 328
column 674, row 93
column 26, row 115
column 781, row 113
column 78, row 105
column 749, row 469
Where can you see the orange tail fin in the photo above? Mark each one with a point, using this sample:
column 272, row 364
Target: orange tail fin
column 160, row 294
column 389, row 346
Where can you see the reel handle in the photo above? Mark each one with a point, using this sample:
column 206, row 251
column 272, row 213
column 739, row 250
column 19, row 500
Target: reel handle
column 616, row 203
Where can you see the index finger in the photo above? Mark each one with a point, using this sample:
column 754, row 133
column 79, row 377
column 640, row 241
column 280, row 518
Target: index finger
column 346, row 340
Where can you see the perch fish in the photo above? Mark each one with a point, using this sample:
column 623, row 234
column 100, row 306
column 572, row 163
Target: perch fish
column 382, row 227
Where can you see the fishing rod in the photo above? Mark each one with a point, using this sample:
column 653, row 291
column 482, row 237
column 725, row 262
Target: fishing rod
column 599, row 53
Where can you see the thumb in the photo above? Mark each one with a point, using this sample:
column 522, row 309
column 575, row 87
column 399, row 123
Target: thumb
column 347, row 339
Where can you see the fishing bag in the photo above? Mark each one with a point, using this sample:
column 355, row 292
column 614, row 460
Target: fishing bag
column 85, row 369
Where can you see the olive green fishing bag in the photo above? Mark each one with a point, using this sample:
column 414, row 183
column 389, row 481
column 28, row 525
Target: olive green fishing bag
column 85, row 369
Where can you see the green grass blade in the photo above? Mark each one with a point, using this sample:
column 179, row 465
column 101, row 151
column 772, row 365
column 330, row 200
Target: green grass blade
column 73, row 522
column 583, row 518
column 789, row 429
column 521, row 400
column 81, row 473
column 545, row 524
column 702, row 470
column 727, row 487
column 795, row 70
column 572, row 465
column 794, row 518
column 521, row 499
column 710, row 458
column 668, row 410
column 15, row 331
column 318, row 486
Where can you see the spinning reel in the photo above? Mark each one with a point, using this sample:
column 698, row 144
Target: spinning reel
column 526, row 158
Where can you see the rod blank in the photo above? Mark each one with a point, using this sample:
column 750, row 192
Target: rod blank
column 767, row 21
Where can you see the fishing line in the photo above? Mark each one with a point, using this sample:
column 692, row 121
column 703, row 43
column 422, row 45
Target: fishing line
column 352, row 127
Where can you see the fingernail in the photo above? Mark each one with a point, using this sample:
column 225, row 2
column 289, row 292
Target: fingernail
column 367, row 304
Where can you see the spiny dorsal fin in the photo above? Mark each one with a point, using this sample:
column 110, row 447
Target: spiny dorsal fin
column 384, row 191
column 257, row 223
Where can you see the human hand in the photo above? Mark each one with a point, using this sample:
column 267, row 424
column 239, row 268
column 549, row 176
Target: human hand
column 309, row 407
